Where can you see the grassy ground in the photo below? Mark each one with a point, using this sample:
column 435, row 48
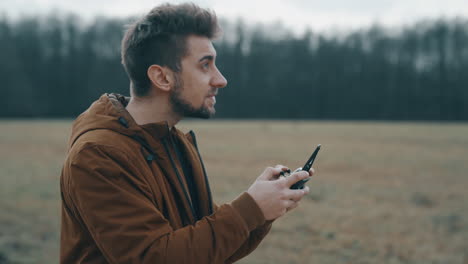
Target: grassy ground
column 383, row 193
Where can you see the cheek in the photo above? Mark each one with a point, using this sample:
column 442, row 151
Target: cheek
column 195, row 95
column 196, row 88
column 200, row 89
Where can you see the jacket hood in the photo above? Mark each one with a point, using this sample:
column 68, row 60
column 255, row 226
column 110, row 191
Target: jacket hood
column 109, row 112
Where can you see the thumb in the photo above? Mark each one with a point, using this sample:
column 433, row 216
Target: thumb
column 269, row 174
column 295, row 177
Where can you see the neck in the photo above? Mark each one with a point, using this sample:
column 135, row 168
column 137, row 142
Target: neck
column 152, row 110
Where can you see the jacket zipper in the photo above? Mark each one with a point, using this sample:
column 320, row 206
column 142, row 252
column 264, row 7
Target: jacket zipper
column 151, row 157
column 179, row 178
column 210, row 201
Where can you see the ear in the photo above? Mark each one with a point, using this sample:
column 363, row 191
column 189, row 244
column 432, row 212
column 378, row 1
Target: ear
column 160, row 77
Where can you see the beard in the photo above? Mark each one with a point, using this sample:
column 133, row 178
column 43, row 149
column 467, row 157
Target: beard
column 183, row 107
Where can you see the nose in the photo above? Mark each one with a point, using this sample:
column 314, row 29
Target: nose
column 218, row 80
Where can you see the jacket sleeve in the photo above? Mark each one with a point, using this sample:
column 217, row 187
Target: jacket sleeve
column 256, row 236
column 128, row 228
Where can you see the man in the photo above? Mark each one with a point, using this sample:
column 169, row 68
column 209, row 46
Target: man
column 134, row 188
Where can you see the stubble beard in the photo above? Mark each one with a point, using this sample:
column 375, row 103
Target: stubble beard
column 184, row 108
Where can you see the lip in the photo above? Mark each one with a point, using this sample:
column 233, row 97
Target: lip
column 212, row 97
column 215, row 92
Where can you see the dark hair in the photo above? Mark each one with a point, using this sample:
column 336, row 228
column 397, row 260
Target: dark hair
column 160, row 38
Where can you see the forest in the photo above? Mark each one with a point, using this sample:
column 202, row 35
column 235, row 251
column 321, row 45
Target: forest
column 55, row 66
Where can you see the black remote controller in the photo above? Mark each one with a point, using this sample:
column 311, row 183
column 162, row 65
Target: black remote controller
column 300, row 184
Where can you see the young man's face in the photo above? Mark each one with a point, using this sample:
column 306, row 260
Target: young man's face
column 197, row 84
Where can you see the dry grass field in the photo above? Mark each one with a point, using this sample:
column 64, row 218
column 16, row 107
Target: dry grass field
column 383, row 192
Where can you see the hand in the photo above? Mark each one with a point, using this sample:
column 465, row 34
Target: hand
column 273, row 195
column 306, row 188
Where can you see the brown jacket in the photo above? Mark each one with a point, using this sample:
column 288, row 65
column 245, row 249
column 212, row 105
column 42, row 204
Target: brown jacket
column 125, row 199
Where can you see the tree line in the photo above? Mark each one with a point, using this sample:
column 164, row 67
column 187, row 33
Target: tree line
column 55, row 66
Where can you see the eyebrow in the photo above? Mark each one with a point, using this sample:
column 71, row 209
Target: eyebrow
column 207, row 57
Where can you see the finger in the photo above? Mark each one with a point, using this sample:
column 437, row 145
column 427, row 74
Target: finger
column 295, row 177
column 269, row 173
column 294, row 195
column 311, row 172
column 306, row 190
column 282, row 167
column 288, row 203
column 294, row 205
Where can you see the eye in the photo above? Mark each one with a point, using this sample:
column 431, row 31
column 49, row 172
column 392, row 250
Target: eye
column 206, row 65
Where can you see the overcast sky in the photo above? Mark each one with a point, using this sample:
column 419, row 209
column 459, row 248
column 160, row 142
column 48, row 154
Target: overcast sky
column 298, row 14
